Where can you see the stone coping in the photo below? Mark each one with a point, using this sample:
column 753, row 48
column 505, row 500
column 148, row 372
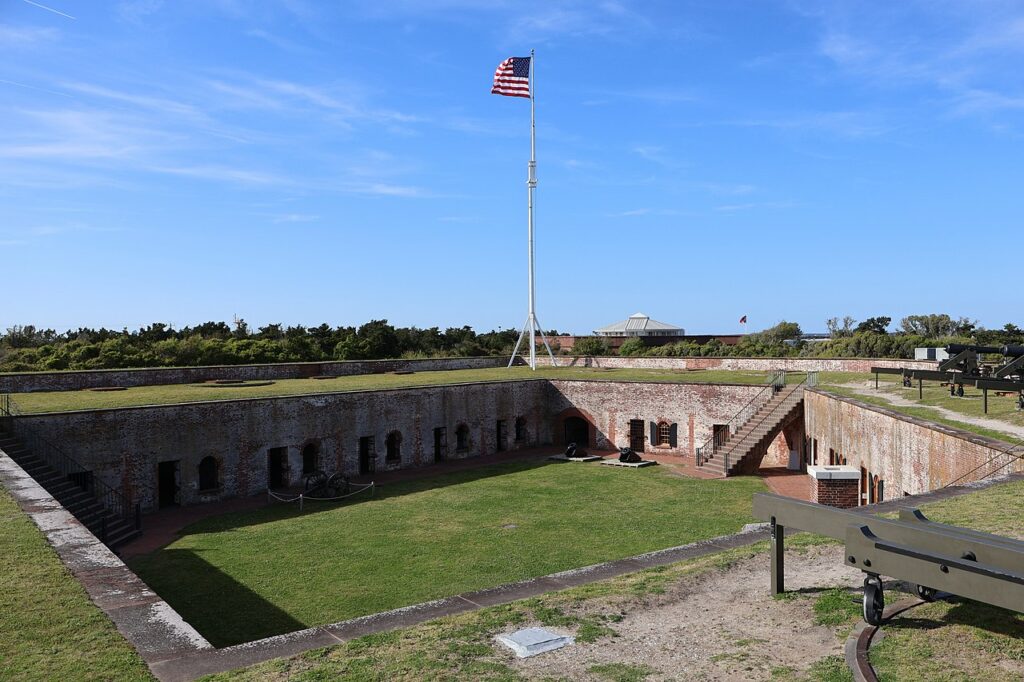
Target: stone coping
column 833, row 472
column 309, row 363
column 970, row 436
column 149, row 624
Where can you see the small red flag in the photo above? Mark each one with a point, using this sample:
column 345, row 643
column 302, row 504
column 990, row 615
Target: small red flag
column 743, row 320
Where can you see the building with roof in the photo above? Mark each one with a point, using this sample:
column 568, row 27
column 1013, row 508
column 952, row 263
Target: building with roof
column 639, row 324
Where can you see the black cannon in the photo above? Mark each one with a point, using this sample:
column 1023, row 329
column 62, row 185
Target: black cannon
column 957, row 348
column 629, row 456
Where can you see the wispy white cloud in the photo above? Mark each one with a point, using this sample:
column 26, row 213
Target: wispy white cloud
column 733, row 208
column 853, row 124
column 295, row 218
column 239, row 176
column 656, row 154
column 964, row 51
column 26, row 36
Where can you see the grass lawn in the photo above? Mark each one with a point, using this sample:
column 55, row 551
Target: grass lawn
column 249, row 575
column 922, row 412
column 49, row 630
column 999, row 407
column 59, row 401
column 960, row 642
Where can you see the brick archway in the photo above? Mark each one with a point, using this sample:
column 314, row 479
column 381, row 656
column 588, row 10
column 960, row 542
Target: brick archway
column 565, row 422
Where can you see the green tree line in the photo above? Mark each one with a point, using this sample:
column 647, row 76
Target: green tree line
column 26, row 348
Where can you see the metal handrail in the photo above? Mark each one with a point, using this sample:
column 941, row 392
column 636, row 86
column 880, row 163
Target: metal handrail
column 762, row 420
column 776, row 381
column 110, row 498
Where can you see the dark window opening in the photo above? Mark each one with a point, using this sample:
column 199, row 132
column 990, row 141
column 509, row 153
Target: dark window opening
column 277, row 467
column 440, row 443
column 520, row 428
column 310, row 459
column 636, row 435
column 393, row 447
column 167, row 474
column 461, row 438
column 367, row 455
column 500, row 435
column 208, row 474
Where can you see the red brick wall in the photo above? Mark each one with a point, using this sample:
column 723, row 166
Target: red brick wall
column 744, row 364
column 909, row 455
column 835, row 492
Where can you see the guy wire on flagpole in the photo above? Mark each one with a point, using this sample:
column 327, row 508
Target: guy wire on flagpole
column 531, row 183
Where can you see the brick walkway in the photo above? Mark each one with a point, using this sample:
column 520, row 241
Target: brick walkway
column 782, row 481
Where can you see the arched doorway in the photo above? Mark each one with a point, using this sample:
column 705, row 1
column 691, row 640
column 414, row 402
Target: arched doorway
column 577, row 430
column 310, row 459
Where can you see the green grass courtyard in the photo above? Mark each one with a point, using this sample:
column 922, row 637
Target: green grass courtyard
column 245, row 576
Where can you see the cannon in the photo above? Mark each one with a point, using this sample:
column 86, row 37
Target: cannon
column 957, row 348
column 1012, row 351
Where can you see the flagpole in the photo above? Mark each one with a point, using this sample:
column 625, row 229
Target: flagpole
column 531, row 184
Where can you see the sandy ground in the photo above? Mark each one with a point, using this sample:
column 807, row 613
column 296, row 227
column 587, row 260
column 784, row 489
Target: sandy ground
column 868, row 388
column 718, row 626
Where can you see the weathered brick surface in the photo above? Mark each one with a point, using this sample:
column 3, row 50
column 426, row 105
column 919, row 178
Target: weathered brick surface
column 28, row 382
column 835, row 492
column 124, row 446
column 610, row 406
column 744, row 364
column 909, row 455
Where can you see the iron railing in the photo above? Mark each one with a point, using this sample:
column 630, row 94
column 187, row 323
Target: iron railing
column 767, row 415
column 776, row 382
column 111, row 499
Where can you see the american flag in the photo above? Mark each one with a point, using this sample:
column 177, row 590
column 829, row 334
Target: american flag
column 512, row 78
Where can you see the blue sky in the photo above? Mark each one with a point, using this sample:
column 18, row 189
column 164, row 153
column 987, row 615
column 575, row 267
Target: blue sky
column 303, row 162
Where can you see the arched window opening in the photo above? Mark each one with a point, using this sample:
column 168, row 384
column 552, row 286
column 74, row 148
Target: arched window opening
column 462, row 438
column 394, row 446
column 208, row 474
column 664, row 433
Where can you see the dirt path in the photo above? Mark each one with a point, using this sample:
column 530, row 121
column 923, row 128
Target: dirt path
column 722, row 625
column 867, row 389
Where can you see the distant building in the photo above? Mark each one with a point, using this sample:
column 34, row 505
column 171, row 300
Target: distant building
column 931, row 354
column 651, row 332
column 639, row 324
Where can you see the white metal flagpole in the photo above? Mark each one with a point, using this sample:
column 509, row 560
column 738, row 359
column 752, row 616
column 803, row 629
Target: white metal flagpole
column 531, row 184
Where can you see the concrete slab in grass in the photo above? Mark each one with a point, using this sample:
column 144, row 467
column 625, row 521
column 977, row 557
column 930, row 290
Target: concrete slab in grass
column 532, row 641
column 629, row 465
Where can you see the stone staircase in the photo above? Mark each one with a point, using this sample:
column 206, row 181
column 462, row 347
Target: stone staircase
column 75, row 493
column 744, row 449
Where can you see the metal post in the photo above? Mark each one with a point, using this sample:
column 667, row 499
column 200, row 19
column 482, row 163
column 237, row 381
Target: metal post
column 876, row 381
column 920, row 389
column 984, row 399
column 778, row 559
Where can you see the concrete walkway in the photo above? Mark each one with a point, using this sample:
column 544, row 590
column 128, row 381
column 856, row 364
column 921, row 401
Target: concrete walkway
column 191, row 666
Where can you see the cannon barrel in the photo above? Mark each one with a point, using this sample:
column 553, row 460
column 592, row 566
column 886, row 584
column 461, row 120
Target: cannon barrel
column 955, row 348
column 1013, row 351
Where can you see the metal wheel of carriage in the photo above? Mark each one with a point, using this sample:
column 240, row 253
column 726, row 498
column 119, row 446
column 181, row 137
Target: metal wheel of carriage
column 874, row 600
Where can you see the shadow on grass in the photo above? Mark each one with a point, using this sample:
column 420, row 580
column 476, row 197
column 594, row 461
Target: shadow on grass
column 992, row 619
column 283, row 511
column 219, row 607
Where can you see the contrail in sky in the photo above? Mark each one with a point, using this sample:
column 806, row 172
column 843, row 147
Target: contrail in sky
column 49, row 9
